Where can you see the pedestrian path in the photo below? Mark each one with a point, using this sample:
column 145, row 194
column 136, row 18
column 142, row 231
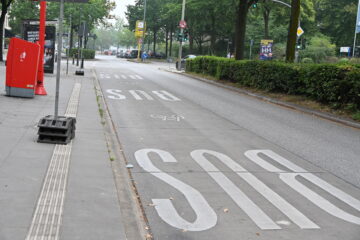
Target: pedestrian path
column 56, row 192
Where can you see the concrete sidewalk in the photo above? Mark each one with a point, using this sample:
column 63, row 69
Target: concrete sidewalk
column 91, row 206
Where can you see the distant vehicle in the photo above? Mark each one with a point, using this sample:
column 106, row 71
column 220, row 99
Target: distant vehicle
column 183, row 60
column 106, row 52
column 134, row 54
column 113, row 52
column 159, row 55
column 127, row 54
column 120, row 54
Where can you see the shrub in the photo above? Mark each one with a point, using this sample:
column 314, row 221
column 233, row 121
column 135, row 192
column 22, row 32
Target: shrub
column 334, row 84
column 318, row 49
column 307, row 60
column 88, row 53
column 344, row 60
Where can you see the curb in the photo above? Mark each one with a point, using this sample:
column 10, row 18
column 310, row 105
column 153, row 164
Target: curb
column 327, row 116
column 135, row 222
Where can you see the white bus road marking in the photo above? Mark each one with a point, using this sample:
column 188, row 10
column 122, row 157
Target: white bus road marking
column 132, row 77
column 206, row 218
column 168, row 213
column 115, row 94
column 116, row 76
column 123, row 76
column 166, row 96
column 290, row 180
column 135, row 94
column 173, row 117
column 138, row 77
column 141, row 95
column 253, row 211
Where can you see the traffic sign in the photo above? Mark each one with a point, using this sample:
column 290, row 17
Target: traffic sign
column 300, row 31
column 140, row 28
column 182, row 24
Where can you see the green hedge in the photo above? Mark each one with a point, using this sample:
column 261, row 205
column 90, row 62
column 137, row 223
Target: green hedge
column 88, row 53
column 335, row 84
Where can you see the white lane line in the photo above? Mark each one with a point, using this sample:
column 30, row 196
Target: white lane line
column 138, row 77
column 48, row 212
column 107, row 76
column 101, row 75
column 132, row 77
column 116, row 76
column 123, row 77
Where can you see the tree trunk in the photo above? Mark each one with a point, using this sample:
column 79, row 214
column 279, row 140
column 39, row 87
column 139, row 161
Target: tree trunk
column 71, row 42
column 294, row 23
column 166, row 42
column 154, row 43
column 4, row 8
column 266, row 15
column 171, row 40
column 213, row 35
column 241, row 29
column 191, row 44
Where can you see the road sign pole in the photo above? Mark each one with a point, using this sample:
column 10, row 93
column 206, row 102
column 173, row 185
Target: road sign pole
column 357, row 22
column 181, row 32
column 40, row 89
column 143, row 35
column 61, row 18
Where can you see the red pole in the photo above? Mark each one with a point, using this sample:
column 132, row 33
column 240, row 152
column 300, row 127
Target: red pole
column 40, row 90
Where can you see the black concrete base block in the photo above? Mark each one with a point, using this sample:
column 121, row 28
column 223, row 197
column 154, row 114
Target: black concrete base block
column 58, row 130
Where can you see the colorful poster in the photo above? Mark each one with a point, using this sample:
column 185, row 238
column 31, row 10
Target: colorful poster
column 266, row 49
column 31, row 34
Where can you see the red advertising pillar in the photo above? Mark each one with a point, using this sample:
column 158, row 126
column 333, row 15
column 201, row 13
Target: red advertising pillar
column 40, row 89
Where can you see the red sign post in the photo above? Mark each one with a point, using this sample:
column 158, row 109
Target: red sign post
column 40, row 89
column 182, row 24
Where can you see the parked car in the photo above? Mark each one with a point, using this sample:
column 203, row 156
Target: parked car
column 127, row 54
column 183, row 60
column 159, row 55
column 120, row 54
column 134, row 53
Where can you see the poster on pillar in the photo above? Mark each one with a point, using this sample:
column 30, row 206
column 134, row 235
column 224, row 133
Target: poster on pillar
column 31, row 34
column 266, row 47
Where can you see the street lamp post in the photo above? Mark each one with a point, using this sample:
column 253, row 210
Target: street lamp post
column 181, row 33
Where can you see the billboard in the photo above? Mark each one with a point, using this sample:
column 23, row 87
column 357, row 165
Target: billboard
column 266, row 49
column 31, row 34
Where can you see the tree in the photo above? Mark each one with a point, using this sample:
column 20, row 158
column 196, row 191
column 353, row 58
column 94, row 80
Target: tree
column 21, row 10
column 5, row 4
column 294, row 23
column 336, row 19
column 240, row 27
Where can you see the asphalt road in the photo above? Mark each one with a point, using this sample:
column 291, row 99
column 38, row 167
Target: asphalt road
column 210, row 163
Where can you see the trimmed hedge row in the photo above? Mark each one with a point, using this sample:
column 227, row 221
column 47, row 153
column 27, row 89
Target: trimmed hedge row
column 88, row 53
column 334, row 84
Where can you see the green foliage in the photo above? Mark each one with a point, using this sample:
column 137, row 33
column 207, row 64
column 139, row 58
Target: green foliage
column 307, row 60
column 336, row 19
column 334, row 84
column 344, row 60
column 356, row 116
column 88, row 53
column 318, row 49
